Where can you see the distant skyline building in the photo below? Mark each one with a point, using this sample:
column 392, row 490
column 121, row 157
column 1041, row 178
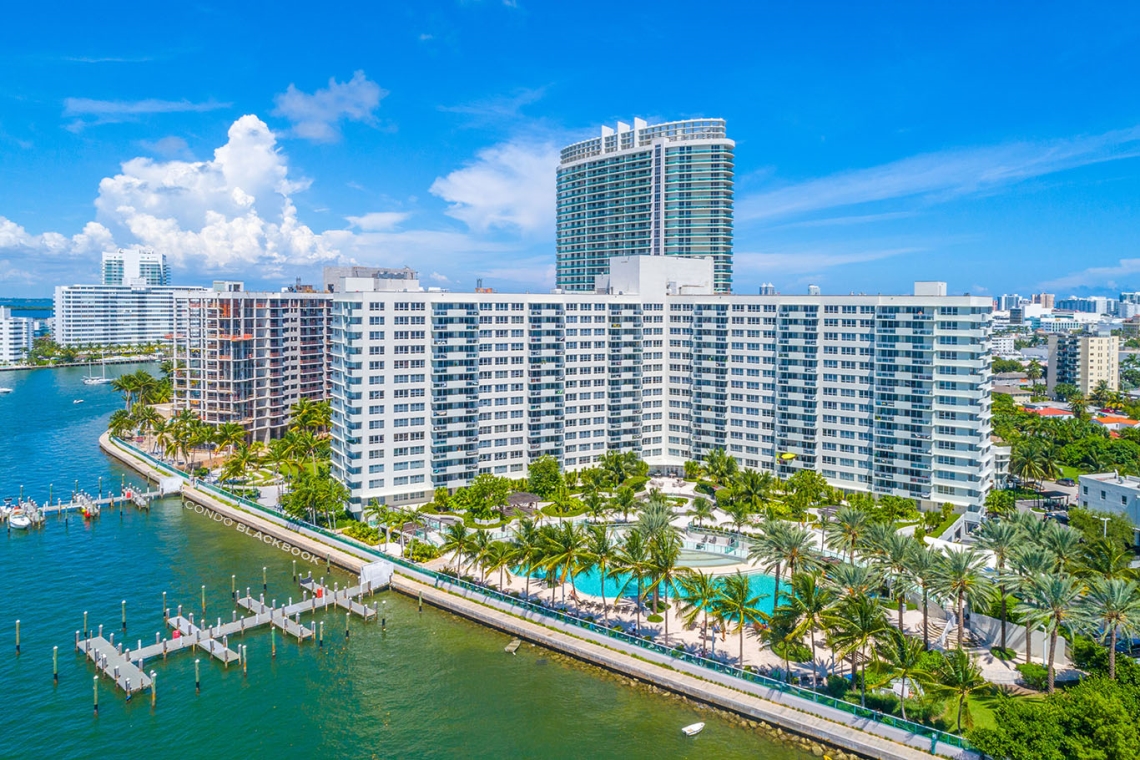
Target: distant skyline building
column 658, row 190
column 1084, row 361
column 135, row 266
column 113, row 315
column 16, row 336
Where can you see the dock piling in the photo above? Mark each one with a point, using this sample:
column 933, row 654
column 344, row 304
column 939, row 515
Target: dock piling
column 272, row 643
column 294, row 571
column 124, row 614
column 203, row 598
column 153, row 688
column 264, row 581
column 17, row 637
column 96, row 682
column 233, row 586
column 85, row 624
column 321, row 635
column 347, row 616
column 197, row 676
column 165, row 611
column 55, row 665
column 244, row 656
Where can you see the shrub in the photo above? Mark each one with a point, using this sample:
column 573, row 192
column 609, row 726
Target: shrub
column 421, row 551
column 362, row 532
column 636, row 483
column 706, row 488
column 1003, row 654
column 1035, row 676
column 654, row 618
column 796, row 652
column 837, row 686
column 886, row 703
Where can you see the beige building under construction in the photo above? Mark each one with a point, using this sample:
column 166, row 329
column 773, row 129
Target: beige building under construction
column 247, row 357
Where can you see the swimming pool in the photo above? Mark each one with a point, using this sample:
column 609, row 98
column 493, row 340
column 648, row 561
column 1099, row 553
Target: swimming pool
column 590, row 582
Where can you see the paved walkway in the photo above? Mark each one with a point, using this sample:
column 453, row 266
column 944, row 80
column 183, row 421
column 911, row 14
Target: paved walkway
column 826, row 724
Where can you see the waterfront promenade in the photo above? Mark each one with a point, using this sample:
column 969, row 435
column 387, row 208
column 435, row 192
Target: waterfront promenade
column 800, row 717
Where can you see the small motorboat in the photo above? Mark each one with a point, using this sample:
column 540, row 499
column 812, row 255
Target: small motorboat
column 19, row 520
column 77, row 401
column 693, row 730
column 5, row 390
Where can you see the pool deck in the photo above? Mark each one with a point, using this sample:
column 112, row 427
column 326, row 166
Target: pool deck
column 796, row 715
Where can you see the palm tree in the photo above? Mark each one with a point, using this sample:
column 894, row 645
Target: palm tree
column 481, row 544
column 527, row 540
column 999, row 537
column 698, row 595
column 853, row 580
column 923, row 565
column 810, row 601
column 596, row 504
column 457, row 542
column 603, row 552
column 1029, row 562
column 1105, row 558
column 1064, row 543
column 856, row 623
column 960, row 576
column 739, row 513
column 634, row 560
column 737, row 603
column 957, row 676
column 655, row 516
column 846, row 530
column 1112, row 608
column 781, row 546
column 894, row 560
column 702, row 510
column 904, row 657
column 1052, row 604
column 664, row 552
column 229, row 435
column 566, row 553
column 501, row 557
column 120, row 423
column 720, row 466
column 622, row 501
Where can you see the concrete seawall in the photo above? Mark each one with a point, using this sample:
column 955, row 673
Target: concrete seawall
column 814, row 724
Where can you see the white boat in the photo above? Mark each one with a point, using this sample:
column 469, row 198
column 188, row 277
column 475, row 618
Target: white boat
column 693, row 730
column 77, row 401
column 5, row 390
column 93, row 379
column 19, row 520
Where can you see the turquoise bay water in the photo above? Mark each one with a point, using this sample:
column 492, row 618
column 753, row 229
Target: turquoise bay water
column 431, row 685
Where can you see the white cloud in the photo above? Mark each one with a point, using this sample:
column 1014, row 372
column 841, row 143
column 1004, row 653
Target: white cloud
column 1116, row 277
column 944, row 175
column 508, row 186
column 316, row 117
column 378, row 221
column 230, row 211
column 502, row 107
column 167, row 147
column 116, row 111
column 437, row 277
column 94, row 237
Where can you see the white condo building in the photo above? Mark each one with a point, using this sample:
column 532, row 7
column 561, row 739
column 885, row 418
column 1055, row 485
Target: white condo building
column 888, row 394
column 16, row 336
column 114, row 315
column 135, row 266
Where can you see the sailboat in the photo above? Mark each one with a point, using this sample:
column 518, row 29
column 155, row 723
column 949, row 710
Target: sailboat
column 93, row 379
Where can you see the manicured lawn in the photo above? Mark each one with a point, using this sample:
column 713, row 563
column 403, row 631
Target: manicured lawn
column 1070, row 472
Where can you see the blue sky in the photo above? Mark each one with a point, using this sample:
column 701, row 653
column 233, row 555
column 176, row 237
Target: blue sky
column 995, row 146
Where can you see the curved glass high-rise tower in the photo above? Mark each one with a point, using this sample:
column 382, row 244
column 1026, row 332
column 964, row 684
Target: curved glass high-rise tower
column 659, row 190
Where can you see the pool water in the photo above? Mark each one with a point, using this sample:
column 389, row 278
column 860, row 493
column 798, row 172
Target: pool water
column 590, row 582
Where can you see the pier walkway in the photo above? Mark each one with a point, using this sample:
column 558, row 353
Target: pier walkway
column 125, row 666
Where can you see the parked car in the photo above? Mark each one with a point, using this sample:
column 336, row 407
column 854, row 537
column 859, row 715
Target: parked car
column 1066, row 482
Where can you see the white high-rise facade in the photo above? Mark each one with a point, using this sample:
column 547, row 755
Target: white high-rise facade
column 16, row 336
column 113, row 315
column 887, row 394
column 135, row 266
column 650, row 189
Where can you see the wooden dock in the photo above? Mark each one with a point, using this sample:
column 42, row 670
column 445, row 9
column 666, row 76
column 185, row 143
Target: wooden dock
column 116, row 665
column 125, row 667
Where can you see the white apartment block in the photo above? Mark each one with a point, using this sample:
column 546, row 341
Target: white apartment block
column 16, row 336
column 113, row 315
column 135, row 266
column 888, row 394
column 1003, row 344
column 1084, row 361
column 1112, row 492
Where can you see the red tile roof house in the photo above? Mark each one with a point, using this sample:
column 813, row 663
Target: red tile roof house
column 1053, row 413
column 1115, row 422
